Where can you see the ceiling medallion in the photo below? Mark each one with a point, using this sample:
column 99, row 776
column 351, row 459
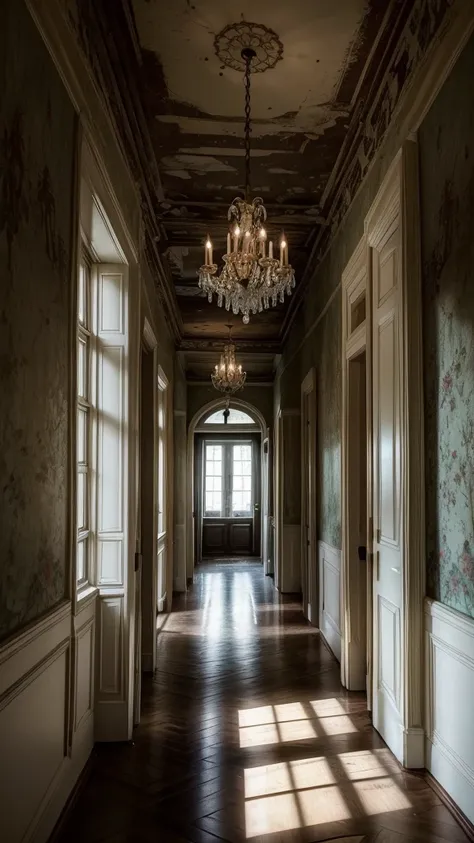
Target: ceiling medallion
column 230, row 43
column 228, row 376
column 252, row 278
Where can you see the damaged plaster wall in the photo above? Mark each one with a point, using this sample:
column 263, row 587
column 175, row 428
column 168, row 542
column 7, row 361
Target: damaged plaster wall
column 37, row 130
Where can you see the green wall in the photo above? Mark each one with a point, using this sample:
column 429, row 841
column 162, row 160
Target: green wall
column 447, row 202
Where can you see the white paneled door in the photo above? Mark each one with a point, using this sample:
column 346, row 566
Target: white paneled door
column 387, row 544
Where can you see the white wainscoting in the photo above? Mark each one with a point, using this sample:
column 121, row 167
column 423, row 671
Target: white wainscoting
column 330, row 596
column 46, row 719
column 449, row 638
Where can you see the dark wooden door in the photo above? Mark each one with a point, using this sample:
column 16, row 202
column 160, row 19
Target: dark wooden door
column 229, row 512
column 227, row 537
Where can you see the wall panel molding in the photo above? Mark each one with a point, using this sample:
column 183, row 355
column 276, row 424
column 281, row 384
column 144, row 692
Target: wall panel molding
column 330, row 596
column 449, row 667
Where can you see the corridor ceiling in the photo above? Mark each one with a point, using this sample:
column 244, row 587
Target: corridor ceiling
column 301, row 116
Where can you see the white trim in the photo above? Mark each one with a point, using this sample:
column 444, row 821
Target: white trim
column 449, row 671
column 148, row 334
column 330, row 596
column 309, row 550
column 192, row 430
column 354, row 586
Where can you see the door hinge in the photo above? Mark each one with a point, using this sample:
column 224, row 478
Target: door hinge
column 138, row 562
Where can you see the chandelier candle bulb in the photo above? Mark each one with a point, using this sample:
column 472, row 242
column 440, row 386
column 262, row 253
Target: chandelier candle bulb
column 208, row 253
column 236, row 238
column 229, row 246
column 270, row 249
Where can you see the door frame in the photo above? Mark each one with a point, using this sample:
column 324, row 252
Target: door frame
column 309, row 561
column 196, row 426
column 356, row 619
column 149, row 346
column 398, row 194
column 229, row 437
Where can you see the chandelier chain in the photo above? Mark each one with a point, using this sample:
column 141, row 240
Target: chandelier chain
column 248, row 60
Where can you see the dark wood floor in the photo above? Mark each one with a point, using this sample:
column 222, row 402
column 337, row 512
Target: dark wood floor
column 246, row 734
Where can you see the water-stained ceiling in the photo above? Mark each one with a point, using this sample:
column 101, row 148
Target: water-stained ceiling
column 301, row 112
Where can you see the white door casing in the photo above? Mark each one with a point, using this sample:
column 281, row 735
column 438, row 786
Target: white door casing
column 309, row 556
column 355, row 574
column 392, row 228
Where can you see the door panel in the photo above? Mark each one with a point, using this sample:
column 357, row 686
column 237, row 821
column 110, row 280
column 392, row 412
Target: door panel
column 226, row 537
column 387, row 488
column 214, row 537
column 240, row 537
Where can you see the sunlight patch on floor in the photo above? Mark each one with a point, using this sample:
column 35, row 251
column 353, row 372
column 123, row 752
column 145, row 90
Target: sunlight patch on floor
column 284, row 776
column 310, row 792
column 269, row 724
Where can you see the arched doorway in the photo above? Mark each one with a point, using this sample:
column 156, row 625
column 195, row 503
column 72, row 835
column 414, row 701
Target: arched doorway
column 228, row 428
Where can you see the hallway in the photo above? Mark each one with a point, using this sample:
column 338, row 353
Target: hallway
column 246, row 733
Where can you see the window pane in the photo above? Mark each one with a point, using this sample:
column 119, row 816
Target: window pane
column 82, row 368
column 213, row 480
column 82, row 520
column 81, row 565
column 213, row 452
column 82, row 423
column 241, row 480
column 234, row 417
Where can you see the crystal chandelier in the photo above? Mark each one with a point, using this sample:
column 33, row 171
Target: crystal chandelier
column 252, row 278
column 228, row 376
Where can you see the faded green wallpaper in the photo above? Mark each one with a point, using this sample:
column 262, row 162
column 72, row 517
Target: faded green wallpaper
column 447, row 206
column 321, row 351
column 37, row 141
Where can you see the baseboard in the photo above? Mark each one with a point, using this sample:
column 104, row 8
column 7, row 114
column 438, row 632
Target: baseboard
column 81, row 782
column 466, row 825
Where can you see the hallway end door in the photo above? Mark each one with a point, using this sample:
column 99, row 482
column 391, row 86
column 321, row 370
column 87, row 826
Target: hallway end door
column 230, row 497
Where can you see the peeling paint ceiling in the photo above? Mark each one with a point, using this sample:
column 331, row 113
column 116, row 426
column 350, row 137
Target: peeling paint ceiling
column 300, row 116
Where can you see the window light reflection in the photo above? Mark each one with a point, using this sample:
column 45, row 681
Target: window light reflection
column 309, row 792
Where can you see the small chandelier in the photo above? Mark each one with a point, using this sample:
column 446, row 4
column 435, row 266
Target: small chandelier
column 228, row 376
column 252, row 278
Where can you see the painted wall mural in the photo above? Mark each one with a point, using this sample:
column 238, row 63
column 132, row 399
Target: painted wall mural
column 447, row 203
column 37, row 138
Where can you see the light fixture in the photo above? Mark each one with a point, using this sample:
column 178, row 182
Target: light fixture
column 252, row 277
column 228, row 376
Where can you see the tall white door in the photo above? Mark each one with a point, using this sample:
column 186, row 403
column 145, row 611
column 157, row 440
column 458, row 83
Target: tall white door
column 308, row 500
column 387, row 508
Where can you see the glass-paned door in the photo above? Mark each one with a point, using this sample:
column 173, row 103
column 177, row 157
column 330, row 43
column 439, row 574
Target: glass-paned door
column 241, row 503
column 213, row 481
column 230, row 497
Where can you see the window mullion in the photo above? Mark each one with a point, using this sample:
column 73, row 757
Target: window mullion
column 228, row 480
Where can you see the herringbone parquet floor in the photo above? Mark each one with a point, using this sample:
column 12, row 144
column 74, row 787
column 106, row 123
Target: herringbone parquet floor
column 246, row 734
